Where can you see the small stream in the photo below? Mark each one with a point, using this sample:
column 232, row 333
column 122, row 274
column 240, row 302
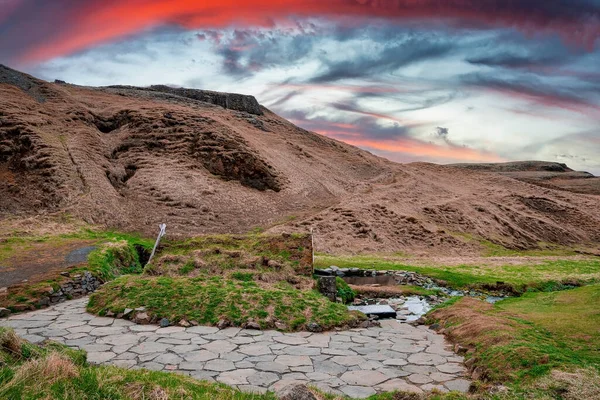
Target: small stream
column 411, row 308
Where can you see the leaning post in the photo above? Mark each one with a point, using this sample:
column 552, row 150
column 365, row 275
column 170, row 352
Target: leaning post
column 161, row 233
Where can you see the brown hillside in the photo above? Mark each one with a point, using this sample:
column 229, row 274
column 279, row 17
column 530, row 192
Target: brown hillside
column 206, row 162
column 546, row 174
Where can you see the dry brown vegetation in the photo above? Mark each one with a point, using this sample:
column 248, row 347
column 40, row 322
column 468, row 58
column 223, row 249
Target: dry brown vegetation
column 469, row 323
column 576, row 385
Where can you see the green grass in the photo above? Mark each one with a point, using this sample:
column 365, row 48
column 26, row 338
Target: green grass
column 344, row 291
column 572, row 317
column 208, row 299
column 521, row 340
column 543, row 275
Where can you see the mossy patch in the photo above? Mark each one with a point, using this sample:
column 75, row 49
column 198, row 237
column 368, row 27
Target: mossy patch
column 209, row 299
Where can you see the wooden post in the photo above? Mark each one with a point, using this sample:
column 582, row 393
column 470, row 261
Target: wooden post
column 312, row 240
column 161, row 233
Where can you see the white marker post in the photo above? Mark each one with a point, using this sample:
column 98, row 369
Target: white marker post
column 312, row 240
column 163, row 231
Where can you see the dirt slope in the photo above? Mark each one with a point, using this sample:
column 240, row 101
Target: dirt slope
column 205, row 162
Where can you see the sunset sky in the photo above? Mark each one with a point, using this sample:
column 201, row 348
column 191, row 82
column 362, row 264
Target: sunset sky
column 412, row 80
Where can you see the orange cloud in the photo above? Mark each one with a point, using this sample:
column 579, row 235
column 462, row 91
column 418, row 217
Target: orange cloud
column 85, row 24
column 418, row 148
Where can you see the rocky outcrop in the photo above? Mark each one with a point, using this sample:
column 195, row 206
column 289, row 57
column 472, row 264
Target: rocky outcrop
column 79, row 285
column 230, row 101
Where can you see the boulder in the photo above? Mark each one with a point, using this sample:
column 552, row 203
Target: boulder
column 295, row 391
column 184, row 323
column 327, row 287
column 142, row 318
column 4, row 312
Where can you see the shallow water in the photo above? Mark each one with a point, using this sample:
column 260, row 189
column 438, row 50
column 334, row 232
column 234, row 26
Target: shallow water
column 417, row 306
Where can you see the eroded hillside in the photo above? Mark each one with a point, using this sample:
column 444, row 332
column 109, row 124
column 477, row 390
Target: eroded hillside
column 207, row 162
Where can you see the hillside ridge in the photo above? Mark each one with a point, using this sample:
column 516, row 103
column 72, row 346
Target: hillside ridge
column 130, row 158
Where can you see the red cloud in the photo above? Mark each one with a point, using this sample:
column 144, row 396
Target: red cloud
column 88, row 23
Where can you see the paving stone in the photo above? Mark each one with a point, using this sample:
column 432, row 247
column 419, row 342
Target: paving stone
column 191, row 366
column 168, row 358
column 357, row 362
column 441, row 377
column 233, row 356
column 243, row 364
column 95, row 357
column 230, row 332
column 419, row 369
column 169, row 329
column 400, row 385
column 168, row 340
column 255, row 349
column 394, row 372
column 395, row 362
column 198, row 340
column 319, row 376
column 348, row 360
column 285, row 339
column 250, row 332
column 460, row 385
column 80, row 329
column 426, row 359
column 200, row 356
column 219, row 346
column 92, row 348
column 219, row 365
column 118, row 340
column 419, row 379
column 358, row 392
column 338, row 352
column 450, row 368
column 430, row 386
column 122, row 348
column 150, row 347
column 125, row 356
column 188, row 348
column 101, row 321
column 242, row 340
column 143, row 328
column 293, row 361
column 329, row 367
column 262, row 378
column 364, row 378
column 34, row 338
column 107, row 330
column 148, row 356
column 272, row 367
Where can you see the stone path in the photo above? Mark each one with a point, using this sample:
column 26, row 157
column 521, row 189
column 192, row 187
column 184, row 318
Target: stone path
column 358, row 363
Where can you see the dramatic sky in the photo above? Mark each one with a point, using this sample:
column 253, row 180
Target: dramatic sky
column 430, row 80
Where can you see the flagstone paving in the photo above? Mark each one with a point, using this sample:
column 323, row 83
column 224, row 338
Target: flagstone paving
column 358, row 362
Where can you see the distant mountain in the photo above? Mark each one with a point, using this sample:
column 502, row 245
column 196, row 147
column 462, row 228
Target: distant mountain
column 546, row 174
